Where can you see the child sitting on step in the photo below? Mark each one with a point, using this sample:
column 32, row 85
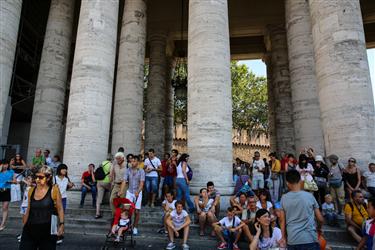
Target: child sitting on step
column 329, row 211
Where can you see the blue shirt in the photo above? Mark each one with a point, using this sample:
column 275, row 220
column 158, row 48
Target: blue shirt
column 4, row 177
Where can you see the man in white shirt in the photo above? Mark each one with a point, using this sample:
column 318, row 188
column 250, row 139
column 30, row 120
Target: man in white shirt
column 152, row 167
column 369, row 181
column 258, row 169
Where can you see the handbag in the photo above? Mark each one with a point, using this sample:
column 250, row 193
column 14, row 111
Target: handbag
column 310, row 186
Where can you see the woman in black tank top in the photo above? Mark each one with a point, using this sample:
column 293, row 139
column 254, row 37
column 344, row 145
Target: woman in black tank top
column 36, row 232
column 352, row 177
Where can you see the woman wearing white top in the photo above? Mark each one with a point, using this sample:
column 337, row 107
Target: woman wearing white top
column 304, row 168
column 182, row 181
column 204, row 207
column 63, row 181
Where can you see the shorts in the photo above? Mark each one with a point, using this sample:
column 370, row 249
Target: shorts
column 118, row 227
column 151, row 184
column 168, row 181
column 258, row 183
column 5, row 194
column 132, row 198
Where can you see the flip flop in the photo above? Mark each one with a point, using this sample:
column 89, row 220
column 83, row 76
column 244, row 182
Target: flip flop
column 2, row 228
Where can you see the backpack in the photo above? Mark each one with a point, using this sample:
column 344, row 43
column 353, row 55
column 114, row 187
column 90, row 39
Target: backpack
column 190, row 173
column 100, row 173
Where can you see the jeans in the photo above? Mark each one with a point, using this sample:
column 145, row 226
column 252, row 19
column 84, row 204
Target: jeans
column 184, row 190
column 275, row 191
column 93, row 193
column 258, row 182
column 331, row 218
column 308, row 246
column 151, row 184
column 63, row 200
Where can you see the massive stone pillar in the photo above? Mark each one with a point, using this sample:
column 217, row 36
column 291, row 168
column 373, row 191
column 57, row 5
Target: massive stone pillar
column 155, row 107
column 209, row 95
column 271, row 103
column 90, row 99
column 46, row 125
column 128, row 108
column 10, row 13
column 169, row 109
column 303, row 82
column 344, row 85
column 281, row 90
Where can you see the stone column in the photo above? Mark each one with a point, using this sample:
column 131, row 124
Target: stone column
column 306, row 112
column 344, row 85
column 90, row 99
column 271, row 103
column 46, row 125
column 156, row 91
column 209, row 95
column 282, row 90
column 128, row 108
column 10, row 13
column 169, row 109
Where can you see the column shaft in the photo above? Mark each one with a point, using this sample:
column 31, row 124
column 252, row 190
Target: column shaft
column 209, row 95
column 10, row 13
column 128, row 108
column 344, row 85
column 306, row 112
column 271, row 104
column 46, row 125
column 155, row 108
column 169, row 110
column 89, row 110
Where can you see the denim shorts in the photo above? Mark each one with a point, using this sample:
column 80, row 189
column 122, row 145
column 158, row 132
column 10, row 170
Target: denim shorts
column 168, row 181
column 151, row 184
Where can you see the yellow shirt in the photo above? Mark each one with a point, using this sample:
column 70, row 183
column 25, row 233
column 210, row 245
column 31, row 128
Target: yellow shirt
column 357, row 217
column 276, row 166
column 141, row 165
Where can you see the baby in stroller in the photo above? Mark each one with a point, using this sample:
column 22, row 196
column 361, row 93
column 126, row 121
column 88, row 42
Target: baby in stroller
column 121, row 224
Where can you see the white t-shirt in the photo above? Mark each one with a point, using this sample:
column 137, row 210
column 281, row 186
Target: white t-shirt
column 156, row 162
column 208, row 205
column 178, row 219
column 258, row 165
column 63, row 185
column 170, row 206
column 306, row 173
column 370, row 178
column 229, row 223
column 267, row 243
column 269, row 205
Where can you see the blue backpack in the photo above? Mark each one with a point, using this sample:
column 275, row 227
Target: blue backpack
column 189, row 173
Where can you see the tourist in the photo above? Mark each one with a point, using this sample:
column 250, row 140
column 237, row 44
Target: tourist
column 242, row 170
column 47, row 157
column 245, row 189
column 129, row 158
column 265, row 236
column 239, row 203
column 103, row 185
column 121, row 222
column 141, row 161
column 88, row 185
column 275, row 177
column 369, row 227
column 321, row 172
column 305, row 169
column 135, row 179
column 257, row 171
column 205, row 210
column 290, row 163
column 311, row 156
column 15, row 187
column 19, row 164
column 228, row 230
column 178, row 223
column 121, row 149
column 163, row 174
column 355, row 214
column 170, row 178
column 62, row 180
column 296, row 218
column 38, row 159
column 117, row 176
column 329, row 212
column 369, row 179
column 152, row 167
column 168, row 205
column 248, row 217
column 263, row 202
column 336, row 187
column 38, row 232
column 267, row 174
column 28, row 180
column 56, row 161
column 6, row 178
column 352, row 177
column 215, row 195
column 182, row 181
column 238, row 165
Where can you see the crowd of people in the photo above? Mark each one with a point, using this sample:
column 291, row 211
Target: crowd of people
column 277, row 202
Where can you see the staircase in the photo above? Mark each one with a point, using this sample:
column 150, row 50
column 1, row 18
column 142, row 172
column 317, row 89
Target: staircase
column 80, row 222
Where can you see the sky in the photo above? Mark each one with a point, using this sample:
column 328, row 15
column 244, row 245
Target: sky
column 259, row 68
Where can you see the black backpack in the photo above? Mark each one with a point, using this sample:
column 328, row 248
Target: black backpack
column 99, row 173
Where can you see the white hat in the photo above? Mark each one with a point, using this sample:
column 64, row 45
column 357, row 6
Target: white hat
column 319, row 158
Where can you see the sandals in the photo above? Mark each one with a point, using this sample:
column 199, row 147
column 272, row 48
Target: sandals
column 2, row 228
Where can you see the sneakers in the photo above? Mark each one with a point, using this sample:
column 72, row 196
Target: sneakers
column 185, row 247
column 59, row 241
column 235, row 247
column 117, row 239
column 19, row 237
column 135, row 231
column 170, row 246
column 222, row 245
column 152, row 205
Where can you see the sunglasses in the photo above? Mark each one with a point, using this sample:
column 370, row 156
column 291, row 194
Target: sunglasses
column 40, row 177
column 352, row 161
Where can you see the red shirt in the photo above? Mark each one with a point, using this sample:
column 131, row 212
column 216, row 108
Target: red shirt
column 164, row 167
column 86, row 177
column 171, row 168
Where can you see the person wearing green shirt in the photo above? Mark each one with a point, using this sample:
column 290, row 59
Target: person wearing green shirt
column 38, row 159
column 103, row 185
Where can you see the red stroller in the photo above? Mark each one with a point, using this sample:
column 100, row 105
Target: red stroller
column 120, row 203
